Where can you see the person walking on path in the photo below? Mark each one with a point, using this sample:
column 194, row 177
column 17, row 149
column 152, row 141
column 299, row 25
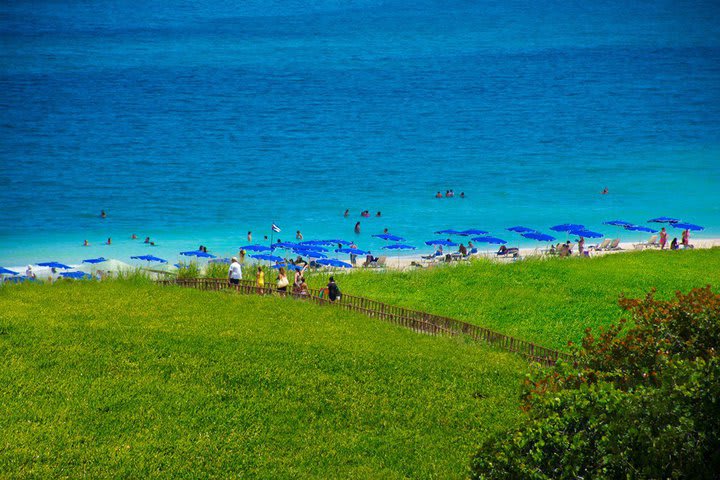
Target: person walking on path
column 333, row 290
column 260, row 280
column 282, row 281
column 234, row 272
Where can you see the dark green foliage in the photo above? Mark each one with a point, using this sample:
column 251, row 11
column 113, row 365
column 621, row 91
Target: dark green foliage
column 642, row 402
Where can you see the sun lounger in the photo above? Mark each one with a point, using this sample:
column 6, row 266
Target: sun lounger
column 652, row 242
column 379, row 263
column 513, row 252
column 614, row 245
column 600, row 246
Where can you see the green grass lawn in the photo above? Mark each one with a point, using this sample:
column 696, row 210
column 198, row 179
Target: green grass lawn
column 122, row 379
column 549, row 302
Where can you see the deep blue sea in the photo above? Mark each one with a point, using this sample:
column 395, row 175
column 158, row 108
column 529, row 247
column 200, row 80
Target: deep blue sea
column 197, row 122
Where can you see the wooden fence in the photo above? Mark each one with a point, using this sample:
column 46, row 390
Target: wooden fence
column 418, row 321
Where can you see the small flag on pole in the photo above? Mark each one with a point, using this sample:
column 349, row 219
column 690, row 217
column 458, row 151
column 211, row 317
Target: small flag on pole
column 275, row 228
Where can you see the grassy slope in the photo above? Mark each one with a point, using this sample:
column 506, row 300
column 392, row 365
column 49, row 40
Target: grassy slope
column 117, row 379
column 550, row 302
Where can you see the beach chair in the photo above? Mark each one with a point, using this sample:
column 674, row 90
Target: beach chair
column 379, row 263
column 432, row 257
column 614, row 245
column 513, row 252
column 652, row 242
column 601, row 246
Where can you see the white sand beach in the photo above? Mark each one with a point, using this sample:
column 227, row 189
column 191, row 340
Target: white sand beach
column 395, row 262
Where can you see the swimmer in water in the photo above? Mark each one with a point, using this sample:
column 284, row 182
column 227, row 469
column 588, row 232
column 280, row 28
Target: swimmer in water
column 378, row 214
column 357, row 227
column 133, row 237
column 86, row 244
column 103, row 214
column 462, row 194
column 147, row 240
column 438, row 195
column 109, row 241
column 249, row 237
column 347, row 213
column 604, row 191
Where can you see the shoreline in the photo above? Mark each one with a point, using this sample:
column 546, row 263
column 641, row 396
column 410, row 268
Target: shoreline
column 392, row 262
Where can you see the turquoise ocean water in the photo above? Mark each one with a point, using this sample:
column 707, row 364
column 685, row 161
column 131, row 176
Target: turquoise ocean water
column 195, row 123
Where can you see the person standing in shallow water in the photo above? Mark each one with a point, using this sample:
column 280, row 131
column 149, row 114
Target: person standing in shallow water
column 357, row 227
column 249, row 237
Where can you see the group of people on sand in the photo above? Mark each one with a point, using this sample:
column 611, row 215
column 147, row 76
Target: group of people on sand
column 449, row 194
column 674, row 245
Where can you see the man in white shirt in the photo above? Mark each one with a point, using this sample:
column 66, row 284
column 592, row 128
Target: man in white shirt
column 235, row 272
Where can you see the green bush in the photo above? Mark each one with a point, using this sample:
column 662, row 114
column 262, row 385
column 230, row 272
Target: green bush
column 642, row 402
column 188, row 270
column 216, row 270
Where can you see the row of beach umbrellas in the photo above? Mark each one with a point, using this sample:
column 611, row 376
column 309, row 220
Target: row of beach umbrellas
column 317, row 249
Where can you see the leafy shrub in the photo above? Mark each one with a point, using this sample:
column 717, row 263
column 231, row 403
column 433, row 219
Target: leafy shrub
column 642, row 401
column 216, row 270
column 188, row 270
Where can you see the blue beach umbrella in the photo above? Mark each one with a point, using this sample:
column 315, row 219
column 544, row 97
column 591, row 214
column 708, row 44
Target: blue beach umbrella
column 566, row 227
column 286, row 266
column 520, row 229
column 664, row 220
column 448, row 232
column 149, row 258
column 398, row 246
column 540, row 237
column 220, row 260
column 95, row 260
column 473, row 231
column 331, row 262
column 76, row 275
column 267, row 257
column 446, row 243
column 318, row 243
column 340, row 242
column 586, row 233
column 639, row 228
column 54, row 265
column 198, row 254
column 256, row 248
column 495, row 240
column 285, row 245
column 352, row 251
column 309, row 253
column 5, row 271
column 688, row 226
column 390, row 237
column 311, row 248
column 617, row 223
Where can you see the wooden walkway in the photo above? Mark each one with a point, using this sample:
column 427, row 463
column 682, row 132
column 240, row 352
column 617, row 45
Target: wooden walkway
column 418, row 321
